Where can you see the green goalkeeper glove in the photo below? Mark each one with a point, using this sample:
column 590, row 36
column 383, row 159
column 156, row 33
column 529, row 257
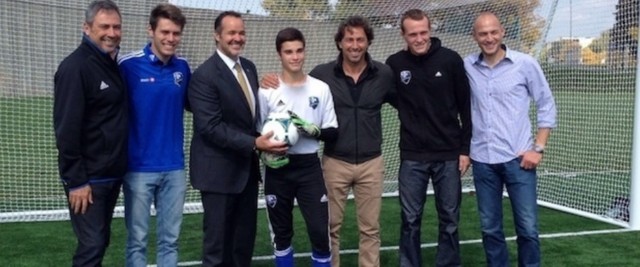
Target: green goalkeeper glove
column 274, row 161
column 303, row 126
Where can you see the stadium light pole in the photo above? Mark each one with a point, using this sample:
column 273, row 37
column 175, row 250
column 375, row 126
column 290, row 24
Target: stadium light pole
column 634, row 190
column 571, row 19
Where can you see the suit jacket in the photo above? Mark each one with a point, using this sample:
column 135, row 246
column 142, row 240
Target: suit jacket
column 224, row 131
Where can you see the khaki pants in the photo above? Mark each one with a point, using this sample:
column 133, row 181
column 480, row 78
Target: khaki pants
column 366, row 180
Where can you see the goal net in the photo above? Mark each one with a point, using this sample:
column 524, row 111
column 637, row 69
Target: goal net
column 587, row 50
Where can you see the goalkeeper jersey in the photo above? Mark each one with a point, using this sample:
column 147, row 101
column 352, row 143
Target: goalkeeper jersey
column 312, row 101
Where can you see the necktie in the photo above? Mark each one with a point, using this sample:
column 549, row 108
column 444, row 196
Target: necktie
column 245, row 87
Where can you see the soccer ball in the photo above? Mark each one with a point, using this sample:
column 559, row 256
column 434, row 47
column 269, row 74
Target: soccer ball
column 282, row 127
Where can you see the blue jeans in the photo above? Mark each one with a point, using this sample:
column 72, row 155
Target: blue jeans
column 167, row 191
column 413, row 183
column 489, row 180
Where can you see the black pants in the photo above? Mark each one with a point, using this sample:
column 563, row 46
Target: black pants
column 413, row 182
column 229, row 225
column 302, row 180
column 93, row 229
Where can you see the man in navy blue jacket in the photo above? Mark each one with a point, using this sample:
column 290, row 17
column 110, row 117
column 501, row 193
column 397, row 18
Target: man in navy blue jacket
column 90, row 122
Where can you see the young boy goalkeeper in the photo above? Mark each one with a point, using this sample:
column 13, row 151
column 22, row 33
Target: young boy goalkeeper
column 299, row 174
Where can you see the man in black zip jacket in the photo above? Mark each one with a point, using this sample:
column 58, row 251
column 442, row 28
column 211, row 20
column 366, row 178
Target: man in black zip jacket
column 435, row 132
column 359, row 85
column 90, row 121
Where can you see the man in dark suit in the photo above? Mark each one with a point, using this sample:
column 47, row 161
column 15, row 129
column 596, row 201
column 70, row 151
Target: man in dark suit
column 224, row 163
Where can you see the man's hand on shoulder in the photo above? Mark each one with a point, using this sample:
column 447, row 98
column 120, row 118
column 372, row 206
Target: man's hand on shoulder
column 270, row 81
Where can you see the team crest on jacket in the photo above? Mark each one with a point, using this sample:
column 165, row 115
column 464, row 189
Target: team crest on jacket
column 271, row 200
column 178, row 78
column 405, row 76
column 313, row 102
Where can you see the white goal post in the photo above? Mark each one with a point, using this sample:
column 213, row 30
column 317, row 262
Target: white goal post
column 588, row 51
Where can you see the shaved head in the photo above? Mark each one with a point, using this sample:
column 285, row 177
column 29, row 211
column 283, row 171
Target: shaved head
column 488, row 33
column 485, row 18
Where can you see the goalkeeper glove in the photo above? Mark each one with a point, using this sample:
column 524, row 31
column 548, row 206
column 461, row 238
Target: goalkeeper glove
column 274, row 161
column 303, row 126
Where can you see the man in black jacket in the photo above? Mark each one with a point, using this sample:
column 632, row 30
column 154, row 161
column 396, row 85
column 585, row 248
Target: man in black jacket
column 90, row 121
column 435, row 132
column 359, row 85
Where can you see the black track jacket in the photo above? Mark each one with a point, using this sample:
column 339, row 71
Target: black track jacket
column 90, row 117
column 360, row 124
column 433, row 104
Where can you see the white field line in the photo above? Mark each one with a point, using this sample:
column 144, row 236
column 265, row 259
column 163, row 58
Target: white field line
column 430, row 245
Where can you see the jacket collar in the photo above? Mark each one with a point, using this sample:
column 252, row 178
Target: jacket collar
column 371, row 68
column 86, row 40
column 153, row 58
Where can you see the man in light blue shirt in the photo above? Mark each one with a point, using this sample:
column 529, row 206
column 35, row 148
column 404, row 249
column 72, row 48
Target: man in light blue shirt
column 503, row 151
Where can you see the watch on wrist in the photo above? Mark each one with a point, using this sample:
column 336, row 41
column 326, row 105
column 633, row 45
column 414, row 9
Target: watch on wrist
column 538, row 148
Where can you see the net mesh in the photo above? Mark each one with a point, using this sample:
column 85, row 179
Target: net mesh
column 590, row 65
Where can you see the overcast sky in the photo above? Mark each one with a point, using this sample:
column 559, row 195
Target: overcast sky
column 581, row 18
column 572, row 18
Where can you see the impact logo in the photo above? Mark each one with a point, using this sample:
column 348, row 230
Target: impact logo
column 313, row 102
column 405, row 76
column 271, row 200
column 178, row 78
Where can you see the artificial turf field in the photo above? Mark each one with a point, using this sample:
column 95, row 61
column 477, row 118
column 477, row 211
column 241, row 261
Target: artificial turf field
column 567, row 240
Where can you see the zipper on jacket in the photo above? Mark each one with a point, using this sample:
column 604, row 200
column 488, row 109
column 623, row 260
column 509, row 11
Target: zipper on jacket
column 355, row 116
